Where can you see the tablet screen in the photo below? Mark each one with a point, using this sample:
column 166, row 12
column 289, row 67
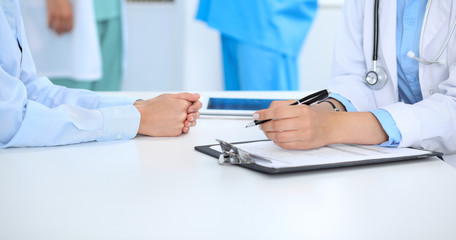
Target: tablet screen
column 238, row 104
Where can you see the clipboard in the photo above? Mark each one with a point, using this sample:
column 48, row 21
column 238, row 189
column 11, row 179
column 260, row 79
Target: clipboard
column 231, row 154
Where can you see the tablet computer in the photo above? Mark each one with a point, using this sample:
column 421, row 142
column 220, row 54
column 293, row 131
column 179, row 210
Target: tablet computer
column 226, row 106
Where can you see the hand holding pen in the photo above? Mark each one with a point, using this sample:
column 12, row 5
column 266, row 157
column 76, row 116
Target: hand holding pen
column 308, row 100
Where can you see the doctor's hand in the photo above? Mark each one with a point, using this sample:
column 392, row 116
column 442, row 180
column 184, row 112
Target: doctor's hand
column 60, row 16
column 295, row 127
column 308, row 127
column 168, row 115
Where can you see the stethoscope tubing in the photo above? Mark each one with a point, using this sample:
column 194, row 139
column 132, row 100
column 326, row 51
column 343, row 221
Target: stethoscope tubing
column 423, row 60
column 376, row 30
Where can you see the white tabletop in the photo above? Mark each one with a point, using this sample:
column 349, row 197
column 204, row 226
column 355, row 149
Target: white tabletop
column 161, row 188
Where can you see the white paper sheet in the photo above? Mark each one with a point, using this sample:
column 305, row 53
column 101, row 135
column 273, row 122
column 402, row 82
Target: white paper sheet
column 338, row 153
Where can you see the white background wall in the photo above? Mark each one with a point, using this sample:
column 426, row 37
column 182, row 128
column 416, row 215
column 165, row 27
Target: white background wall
column 169, row 50
column 153, row 47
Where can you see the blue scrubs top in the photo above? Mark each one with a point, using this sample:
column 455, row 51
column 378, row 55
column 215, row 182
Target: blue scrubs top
column 277, row 25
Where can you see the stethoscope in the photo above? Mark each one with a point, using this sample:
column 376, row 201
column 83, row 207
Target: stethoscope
column 377, row 77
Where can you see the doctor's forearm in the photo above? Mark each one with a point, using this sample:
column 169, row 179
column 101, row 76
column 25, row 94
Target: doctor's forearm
column 355, row 128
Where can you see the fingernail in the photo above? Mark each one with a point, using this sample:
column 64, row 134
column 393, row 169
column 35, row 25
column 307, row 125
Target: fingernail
column 191, row 118
column 256, row 116
column 191, row 109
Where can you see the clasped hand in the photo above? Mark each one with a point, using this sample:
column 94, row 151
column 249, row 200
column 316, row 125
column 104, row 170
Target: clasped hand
column 168, row 115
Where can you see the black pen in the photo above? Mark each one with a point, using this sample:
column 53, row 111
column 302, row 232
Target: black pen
column 307, row 100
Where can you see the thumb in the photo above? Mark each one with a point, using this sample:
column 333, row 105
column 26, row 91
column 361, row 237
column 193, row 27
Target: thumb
column 281, row 103
column 191, row 97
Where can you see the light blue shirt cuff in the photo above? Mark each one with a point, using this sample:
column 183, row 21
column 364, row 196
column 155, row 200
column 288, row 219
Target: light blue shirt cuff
column 121, row 122
column 107, row 101
column 390, row 127
column 347, row 104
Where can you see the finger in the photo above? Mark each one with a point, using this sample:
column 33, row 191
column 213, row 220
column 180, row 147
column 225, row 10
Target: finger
column 67, row 21
column 281, row 125
column 192, row 116
column 51, row 21
column 70, row 23
column 187, row 123
column 53, row 24
column 274, row 104
column 185, row 130
column 58, row 25
column 191, row 97
column 195, row 107
column 190, row 124
column 283, row 112
column 66, row 27
column 289, row 136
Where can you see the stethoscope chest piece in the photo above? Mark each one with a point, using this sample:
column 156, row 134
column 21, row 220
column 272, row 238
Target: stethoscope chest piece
column 376, row 79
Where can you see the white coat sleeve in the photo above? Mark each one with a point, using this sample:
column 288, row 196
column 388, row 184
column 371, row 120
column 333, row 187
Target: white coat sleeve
column 430, row 123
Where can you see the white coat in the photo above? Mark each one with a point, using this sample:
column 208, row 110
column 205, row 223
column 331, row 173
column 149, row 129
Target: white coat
column 431, row 123
column 75, row 54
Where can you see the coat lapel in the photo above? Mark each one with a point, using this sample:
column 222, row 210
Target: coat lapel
column 439, row 13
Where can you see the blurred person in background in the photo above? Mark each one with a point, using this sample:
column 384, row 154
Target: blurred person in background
column 78, row 44
column 261, row 40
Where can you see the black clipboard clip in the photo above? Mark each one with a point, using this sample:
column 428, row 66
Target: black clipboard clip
column 232, row 155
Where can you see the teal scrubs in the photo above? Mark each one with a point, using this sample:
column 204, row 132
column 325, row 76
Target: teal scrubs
column 261, row 40
column 108, row 14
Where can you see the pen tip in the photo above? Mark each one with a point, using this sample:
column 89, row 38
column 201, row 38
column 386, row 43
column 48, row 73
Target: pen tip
column 250, row 125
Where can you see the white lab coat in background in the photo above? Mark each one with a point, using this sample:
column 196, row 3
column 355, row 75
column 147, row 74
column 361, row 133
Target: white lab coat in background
column 75, row 54
column 431, row 123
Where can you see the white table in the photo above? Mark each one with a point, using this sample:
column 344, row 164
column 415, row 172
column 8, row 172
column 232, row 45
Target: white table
column 160, row 188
